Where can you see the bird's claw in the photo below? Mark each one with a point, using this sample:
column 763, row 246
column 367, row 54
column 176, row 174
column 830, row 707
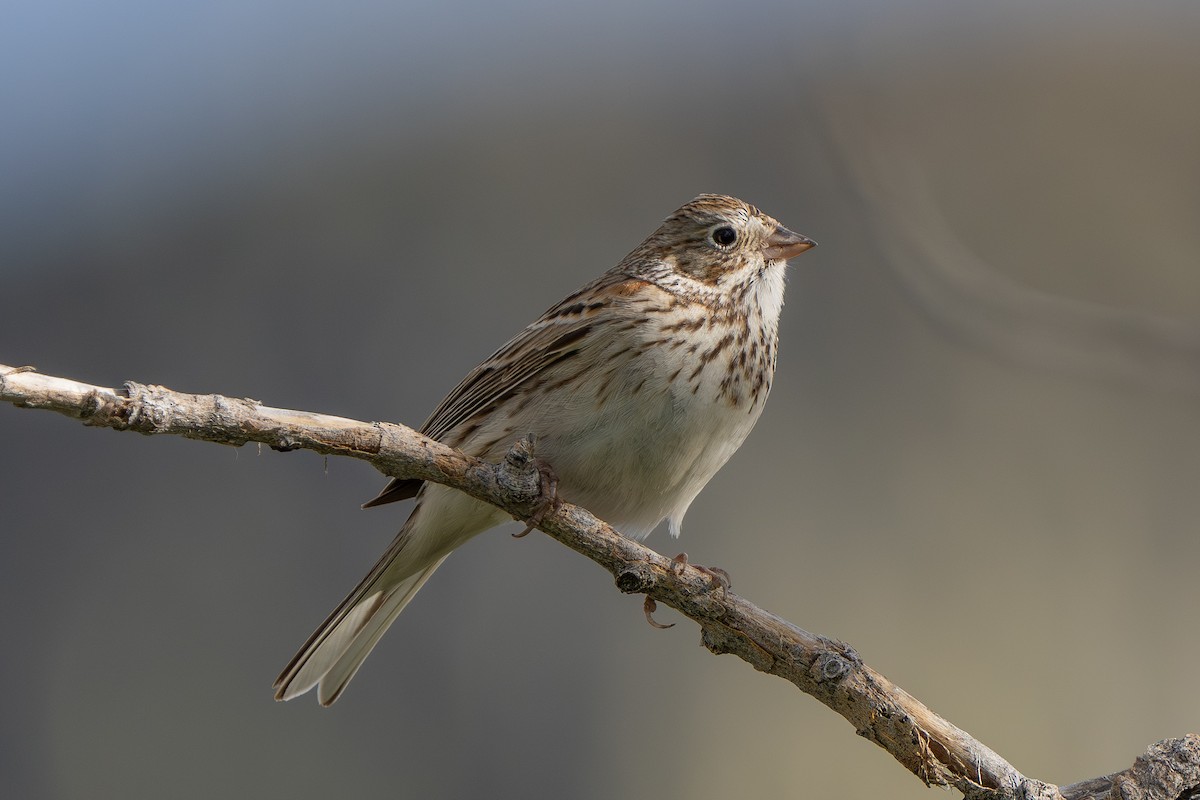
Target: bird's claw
column 719, row 578
column 649, row 608
column 548, row 499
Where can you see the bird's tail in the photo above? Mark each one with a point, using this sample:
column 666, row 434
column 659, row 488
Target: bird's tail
column 338, row 648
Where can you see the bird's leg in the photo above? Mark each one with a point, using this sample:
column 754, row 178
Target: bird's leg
column 548, row 499
column 720, row 578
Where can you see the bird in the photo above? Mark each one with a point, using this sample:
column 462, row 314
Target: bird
column 638, row 387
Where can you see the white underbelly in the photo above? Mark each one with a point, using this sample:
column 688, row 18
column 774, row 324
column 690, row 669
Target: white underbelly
column 641, row 457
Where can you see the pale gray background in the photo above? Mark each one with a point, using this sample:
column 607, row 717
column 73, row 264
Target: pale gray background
column 979, row 465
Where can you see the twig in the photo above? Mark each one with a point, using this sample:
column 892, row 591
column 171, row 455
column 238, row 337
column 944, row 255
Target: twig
column 930, row 747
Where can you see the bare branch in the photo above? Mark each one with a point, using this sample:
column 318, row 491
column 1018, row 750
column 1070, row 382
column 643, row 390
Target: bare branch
column 930, row 747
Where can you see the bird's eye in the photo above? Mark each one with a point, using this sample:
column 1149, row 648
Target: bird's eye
column 724, row 236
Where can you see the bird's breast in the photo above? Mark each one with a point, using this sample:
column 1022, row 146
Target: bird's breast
column 641, row 435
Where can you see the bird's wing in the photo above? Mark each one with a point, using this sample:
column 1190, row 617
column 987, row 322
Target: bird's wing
column 557, row 335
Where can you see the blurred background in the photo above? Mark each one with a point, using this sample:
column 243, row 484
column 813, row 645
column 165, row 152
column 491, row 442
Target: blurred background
column 979, row 465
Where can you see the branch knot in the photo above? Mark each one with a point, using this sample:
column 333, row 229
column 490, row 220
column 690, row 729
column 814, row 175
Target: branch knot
column 635, row 579
column 830, row 667
column 528, row 483
column 143, row 412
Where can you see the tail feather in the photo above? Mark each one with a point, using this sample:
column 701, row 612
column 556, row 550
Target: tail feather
column 324, row 648
column 335, row 651
column 333, row 654
column 351, row 658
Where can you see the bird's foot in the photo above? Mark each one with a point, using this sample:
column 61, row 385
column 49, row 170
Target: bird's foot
column 548, row 499
column 719, row 578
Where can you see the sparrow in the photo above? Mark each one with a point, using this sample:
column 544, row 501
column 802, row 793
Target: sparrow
column 638, row 387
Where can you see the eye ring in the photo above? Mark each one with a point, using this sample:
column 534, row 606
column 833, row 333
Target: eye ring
column 724, row 236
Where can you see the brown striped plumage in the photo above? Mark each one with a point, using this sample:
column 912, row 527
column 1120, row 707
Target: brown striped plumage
column 639, row 387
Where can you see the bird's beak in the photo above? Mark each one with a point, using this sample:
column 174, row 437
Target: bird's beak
column 785, row 244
